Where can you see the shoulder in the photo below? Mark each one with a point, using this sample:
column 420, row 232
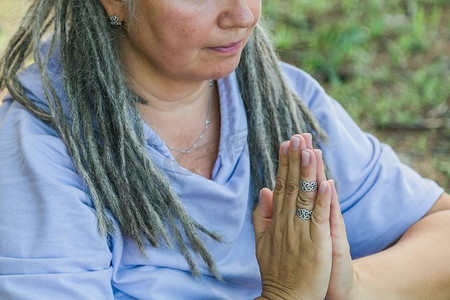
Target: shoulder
column 368, row 173
column 33, row 80
column 325, row 109
column 302, row 83
column 24, row 131
column 45, row 215
column 33, row 155
column 331, row 116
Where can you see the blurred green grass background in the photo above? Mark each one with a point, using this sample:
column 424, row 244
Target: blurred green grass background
column 386, row 61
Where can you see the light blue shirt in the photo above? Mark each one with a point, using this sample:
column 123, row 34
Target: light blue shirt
column 50, row 247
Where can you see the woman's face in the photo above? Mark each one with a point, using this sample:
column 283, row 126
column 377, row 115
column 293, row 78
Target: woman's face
column 189, row 39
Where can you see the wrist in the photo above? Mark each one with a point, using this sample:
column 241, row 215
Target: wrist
column 276, row 292
column 275, row 296
column 357, row 292
column 282, row 293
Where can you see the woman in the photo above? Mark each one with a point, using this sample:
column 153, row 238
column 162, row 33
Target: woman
column 133, row 151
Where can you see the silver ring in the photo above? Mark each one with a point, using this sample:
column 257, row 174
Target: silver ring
column 308, row 186
column 304, row 214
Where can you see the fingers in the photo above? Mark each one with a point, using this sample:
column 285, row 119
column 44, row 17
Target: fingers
column 297, row 145
column 308, row 175
column 320, row 167
column 297, row 162
column 283, row 167
column 337, row 225
column 308, row 140
column 295, row 250
column 263, row 213
column 319, row 159
column 320, row 226
column 342, row 282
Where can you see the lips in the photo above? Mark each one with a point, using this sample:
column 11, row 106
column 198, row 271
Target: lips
column 228, row 49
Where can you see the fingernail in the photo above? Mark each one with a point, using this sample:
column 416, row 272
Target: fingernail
column 305, row 158
column 295, row 142
column 323, row 187
column 285, row 148
column 318, row 152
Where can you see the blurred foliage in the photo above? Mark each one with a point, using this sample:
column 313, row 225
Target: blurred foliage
column 11, row 12
column 386, row 61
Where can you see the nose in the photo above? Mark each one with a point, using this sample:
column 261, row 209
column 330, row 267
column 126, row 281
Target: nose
column 237, row 13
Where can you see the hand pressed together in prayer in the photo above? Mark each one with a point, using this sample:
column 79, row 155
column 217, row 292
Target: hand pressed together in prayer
column 302, row 258
column 144, row 153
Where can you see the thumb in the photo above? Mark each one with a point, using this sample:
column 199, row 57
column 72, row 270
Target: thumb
column 263, row 212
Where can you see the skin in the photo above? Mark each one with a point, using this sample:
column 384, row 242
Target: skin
column 173, row 44
column 416, row 267
column 294, row 255
column 170, row 51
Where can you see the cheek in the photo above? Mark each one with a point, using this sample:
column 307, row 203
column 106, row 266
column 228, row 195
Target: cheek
column 186, row 29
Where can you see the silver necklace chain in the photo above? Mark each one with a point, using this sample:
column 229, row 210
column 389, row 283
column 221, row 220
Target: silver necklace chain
column 204, row 130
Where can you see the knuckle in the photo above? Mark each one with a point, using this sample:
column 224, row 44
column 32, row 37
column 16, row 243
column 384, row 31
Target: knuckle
column 303, row 201
column 294, row 159
column 307, row 173
column 320, row 205
column 283, row 162
column 279, row 186
column 319, row 218
column 291, row 186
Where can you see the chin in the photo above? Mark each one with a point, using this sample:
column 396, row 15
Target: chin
column 223, row 70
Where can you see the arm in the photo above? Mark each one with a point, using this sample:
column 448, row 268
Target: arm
column 50, row 247
column 381, row 200
column 417, row 266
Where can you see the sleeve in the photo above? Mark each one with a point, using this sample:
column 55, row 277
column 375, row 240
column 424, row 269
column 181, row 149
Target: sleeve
column 50, row 247
column 380, row 197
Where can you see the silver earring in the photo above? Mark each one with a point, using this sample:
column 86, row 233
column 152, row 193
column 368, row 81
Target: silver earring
column 114, row 20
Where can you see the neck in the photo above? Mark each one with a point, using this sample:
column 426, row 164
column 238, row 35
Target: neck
column 163, row 93
column 171, row 116
column 180, row 128
column 175, row 107
column 171, row 99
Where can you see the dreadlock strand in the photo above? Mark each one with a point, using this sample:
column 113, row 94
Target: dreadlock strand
column 103, row 131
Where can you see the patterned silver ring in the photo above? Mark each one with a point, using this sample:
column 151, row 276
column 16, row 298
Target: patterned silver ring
column 308, row 186
column 304, row 214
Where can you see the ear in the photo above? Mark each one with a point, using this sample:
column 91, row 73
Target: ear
column 114, row 7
